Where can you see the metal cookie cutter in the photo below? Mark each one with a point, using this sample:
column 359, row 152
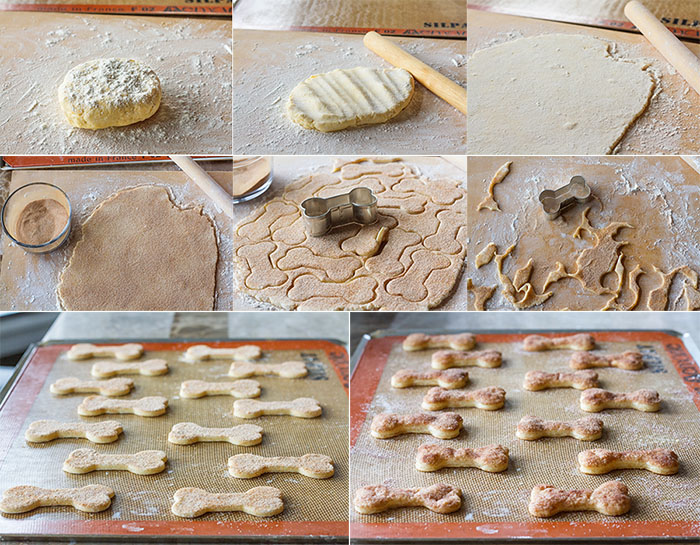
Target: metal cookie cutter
column 554, row 202
column 357, row 206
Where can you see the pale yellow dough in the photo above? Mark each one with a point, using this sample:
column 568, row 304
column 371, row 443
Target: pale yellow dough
column 350, row 97
column 109, row 93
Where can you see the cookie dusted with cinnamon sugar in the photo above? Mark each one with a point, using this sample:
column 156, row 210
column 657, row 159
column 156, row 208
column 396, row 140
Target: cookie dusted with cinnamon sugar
column 446, row 359
column 421, row 341
column 489, row 399
column 610, row 498
column 448, row 378
column 538, row 343
column 597, row 399
column 439, row 498
column 491, row 458
column 631, row 360
column 588, row 428
column 599, row 460
column 542, row 380
column 442, row 426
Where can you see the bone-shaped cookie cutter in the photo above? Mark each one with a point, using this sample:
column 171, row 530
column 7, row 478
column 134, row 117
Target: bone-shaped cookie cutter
column 302, row 407
column 588, row 428
column 237, row 388
column 490, row 398
column 287, row 369
column 610, row 498
column 188, row 433
column 261, row 501
column 42, row 431
column 599, row 460
column 442, row 426
column 111, row 387
column 146, row 406
column 92, row 498
column 247, row 466
column 122, row 352
column 554, row 202
column 446, row 359
column 106, row 369
column 201, row 352
column 596, row 399
column 322, row 214
column 440, row 498
column 448, row 378
column 491, row 458
column 145, row 462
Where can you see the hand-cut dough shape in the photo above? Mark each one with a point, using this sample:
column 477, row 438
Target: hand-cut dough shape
column 109, row 93
column 491, row 458
column 188, row 433
column 597, row 96
column 599, row 460
column 440, row 498
column 261, row 501
column 146, row 406
column 588, row 428
column 92, row 498
column 164, row 257
column 489, row 202
column 349, row 97
column 247, row 466
column 149, row 368
column 86, row 460
column 122, row 352
column 410, row 259
column 442, row 426
column 610, row 498
column 42, row 431
column 109, row 387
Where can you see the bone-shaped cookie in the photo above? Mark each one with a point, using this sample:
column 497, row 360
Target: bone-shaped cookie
column 261, row 501
column 588, row 428
column 445, row 359
column 145, row 462
column 421, row 341
column 121, row 351
column 42, row 431
column 491, row 458
column 188, row 433
column 610, row 498
column 542, row 380
column 599, row 460
column 111, row 387
column 287, row 369
column 92, row 498
column 490, row 398
column 146, row 406
column 105, row 369
column 302, row 407
column 443, row 426
column 441, row 498
column 237, row 388
column 247, row 466
column 538, row 343
column 448, row 378
column 201, row 352
column 630, row 360
column 596, row 400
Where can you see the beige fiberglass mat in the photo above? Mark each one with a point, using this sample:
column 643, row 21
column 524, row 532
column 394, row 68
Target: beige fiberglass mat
column 202, row 465
column 503, row 497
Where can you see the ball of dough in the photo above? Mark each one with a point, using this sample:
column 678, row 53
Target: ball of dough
column 109, row 93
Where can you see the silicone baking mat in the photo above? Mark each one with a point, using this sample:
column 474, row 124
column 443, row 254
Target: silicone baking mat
column 142, row 504
column 495, row 504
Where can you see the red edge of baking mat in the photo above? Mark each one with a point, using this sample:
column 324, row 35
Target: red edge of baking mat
column 121, row 9
column 29, row 384
column 681, row 32
column 364, row 383
column 36, row 161
column 440, row 30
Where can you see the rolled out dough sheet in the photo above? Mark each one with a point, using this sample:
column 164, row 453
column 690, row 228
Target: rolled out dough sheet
column 29, row 281
column 270, row 64
column 554, row 93
column 192, row 58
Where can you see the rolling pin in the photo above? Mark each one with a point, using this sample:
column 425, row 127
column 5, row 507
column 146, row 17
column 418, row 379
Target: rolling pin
column 433, row 80
column 205, row 182
column 677, row 54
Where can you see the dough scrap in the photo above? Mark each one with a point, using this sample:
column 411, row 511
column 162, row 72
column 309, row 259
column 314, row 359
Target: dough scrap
column 413, row 264
column 489, row 202
column 553, row 94
column 349, row 97
column 481, row 294
column 485, row 256
column 139, row 251
column 109, row 93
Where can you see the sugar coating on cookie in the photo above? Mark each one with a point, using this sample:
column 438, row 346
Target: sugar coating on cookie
column 109, row 93
column 440, row 498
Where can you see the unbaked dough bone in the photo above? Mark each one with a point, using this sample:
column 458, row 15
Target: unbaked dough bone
column 86, row 460
column 247, row 466
column 106, row 369
column 302, row 407
column 92, row 498
column 202, row 352
column 121, row 352
column 287, row 369
column 192, row 389
column 110, row 387
column 188, row 433
column 146, row 406
column 42, row 431
column 261, row 501
column 555, row 94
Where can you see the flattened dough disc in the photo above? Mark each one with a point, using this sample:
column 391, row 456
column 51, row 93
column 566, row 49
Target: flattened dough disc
column 139, row 251
column 553, row 94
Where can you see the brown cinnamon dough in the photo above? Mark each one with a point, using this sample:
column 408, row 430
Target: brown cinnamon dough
column 139, row 251
column 41, row 221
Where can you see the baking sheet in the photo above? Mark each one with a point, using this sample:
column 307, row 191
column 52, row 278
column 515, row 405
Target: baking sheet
column 29, row 281
column 192, row 58
column 142, row 504
column 288, row 169
column 670, row 125
column 495, row 504
column 658, row 196
column 270, row 64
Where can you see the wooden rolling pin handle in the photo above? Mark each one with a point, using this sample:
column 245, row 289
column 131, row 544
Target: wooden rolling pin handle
column 433, row 80
column 205, row 182
column 677, row 54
